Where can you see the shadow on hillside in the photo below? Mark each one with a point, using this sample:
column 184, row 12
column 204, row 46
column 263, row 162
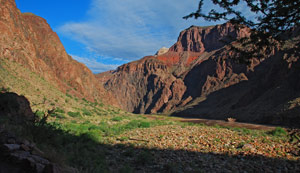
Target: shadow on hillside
column 261, row 99
column 83, row 153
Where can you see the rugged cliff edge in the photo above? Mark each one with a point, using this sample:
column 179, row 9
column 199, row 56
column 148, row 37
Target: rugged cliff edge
column 28, row 40
column 166, row 81
column 197, row 77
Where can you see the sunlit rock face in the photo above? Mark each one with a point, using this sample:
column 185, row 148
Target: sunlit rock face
column 198, row 77
column 197, row 64
column 29, row 40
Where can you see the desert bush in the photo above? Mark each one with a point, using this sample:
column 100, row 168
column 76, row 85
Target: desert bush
column 59, row 110
column 57, row 115
column 86, row 112
column 137, row 124
column 68, row 95
column 279, row 132
column 74, row 114
column 117, row 119
column 39, row 113
column 4, row 89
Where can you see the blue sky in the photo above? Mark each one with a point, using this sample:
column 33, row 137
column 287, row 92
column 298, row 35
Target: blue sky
column 106, row 33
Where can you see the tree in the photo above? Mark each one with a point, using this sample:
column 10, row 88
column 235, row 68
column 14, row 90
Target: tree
column 273, row 21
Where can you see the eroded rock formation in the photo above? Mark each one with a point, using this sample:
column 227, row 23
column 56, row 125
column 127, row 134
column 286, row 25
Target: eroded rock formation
column 198, row 77
column 28, row 40
column 196, row 65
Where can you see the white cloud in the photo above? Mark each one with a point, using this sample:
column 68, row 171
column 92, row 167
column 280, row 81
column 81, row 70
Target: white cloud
column 131, row 29
column 94, row 65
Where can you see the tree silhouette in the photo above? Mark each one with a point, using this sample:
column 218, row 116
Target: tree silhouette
column 273, row 21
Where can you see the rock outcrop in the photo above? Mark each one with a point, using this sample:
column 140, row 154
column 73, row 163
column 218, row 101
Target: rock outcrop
column 13, row 105
column 198, row 77
column 28, row 40
column 196, row 65
column 162, row 50
column 201, row 39
column 17, row 154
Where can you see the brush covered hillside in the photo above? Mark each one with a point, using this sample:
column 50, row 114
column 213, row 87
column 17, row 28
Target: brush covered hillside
column 28, row 40
column 199, row 76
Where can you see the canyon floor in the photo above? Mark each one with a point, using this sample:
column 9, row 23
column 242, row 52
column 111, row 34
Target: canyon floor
column 111, row 140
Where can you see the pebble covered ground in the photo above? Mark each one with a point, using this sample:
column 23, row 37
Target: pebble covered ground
column 177, row 148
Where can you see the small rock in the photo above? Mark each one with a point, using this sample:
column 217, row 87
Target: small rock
column 11, row 147
column 37, row 151
column 11, row 141
column 25, row 147
column 39, row 167
column 249, row 147
column 55, row 168
column 39, row 159
column 20, row 155
column 25, row 142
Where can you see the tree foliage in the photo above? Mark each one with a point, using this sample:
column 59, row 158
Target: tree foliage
column 273, row 19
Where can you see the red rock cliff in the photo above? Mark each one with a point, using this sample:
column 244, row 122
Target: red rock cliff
column 28, row 39
column 166, row 81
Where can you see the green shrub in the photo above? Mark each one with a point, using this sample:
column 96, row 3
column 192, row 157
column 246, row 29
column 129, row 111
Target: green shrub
column 68, row 95
column 137, row 124
column 86, row 112
column 87, row 122
column 74, row 114
column 94, row 135
column 39, row 113
column 58, row 115
column 117, row 119
column 59, row 110
column 280, row 132
column 4, row 89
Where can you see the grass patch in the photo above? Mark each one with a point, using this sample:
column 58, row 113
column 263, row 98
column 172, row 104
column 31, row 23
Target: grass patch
column 137, row 124
column 278, row 132
column 74, row 114
column 86, row 112
column 59, row 110
column 117, row 119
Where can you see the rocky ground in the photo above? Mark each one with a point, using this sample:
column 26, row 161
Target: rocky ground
column 182, row 148
column 109, row 140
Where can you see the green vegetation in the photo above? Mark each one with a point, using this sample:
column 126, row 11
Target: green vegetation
column 117, row 119
column 279, row 132
column 86, row 112
column 94, row 137
column 4, row 89
column 74, row 114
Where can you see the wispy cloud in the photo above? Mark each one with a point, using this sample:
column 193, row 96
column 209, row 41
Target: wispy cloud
column 131, row 29
column 94, row 65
